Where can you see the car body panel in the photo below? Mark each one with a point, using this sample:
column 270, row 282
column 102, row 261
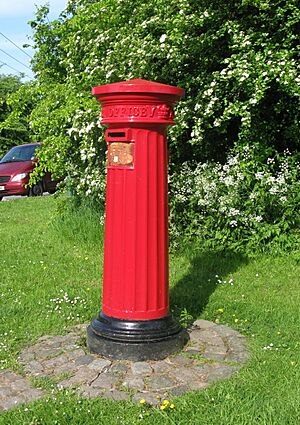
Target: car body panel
column 10, row 169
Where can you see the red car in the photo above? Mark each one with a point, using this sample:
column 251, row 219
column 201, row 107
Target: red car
column 15, row 168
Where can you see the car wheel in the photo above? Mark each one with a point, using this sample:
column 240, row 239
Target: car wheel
column 36, row 190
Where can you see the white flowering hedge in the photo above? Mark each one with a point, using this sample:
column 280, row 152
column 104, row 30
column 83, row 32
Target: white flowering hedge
column 239, row 64
column 239, row 203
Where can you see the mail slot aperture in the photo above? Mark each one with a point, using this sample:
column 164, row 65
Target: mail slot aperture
column 121, row 135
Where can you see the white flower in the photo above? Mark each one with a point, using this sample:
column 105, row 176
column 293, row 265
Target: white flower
column 273, row 190
column 89, row 127
column 233, row 160
column 259, row 175
column 208, row 92
column 233, row 212
column 228, row 181
column 70, row 130
column 163, row 38
column 252, row 101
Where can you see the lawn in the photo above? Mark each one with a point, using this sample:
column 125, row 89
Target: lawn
column 43, row 258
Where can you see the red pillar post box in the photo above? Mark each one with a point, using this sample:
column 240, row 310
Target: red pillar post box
column 135, row 322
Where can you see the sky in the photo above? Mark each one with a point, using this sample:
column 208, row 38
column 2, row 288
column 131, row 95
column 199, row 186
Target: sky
column 14, row 15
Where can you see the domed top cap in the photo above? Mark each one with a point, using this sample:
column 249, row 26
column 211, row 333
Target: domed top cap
column 138, row 86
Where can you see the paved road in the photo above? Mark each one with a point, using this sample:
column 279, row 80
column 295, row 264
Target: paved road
column 11, row 198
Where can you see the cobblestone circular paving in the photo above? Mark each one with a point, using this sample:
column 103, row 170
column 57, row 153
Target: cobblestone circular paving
column 214, row 353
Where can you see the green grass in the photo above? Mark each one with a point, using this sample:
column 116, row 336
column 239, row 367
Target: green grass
column 44, row 257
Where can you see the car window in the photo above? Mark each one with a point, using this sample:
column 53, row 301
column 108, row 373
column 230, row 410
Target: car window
column 20, row 154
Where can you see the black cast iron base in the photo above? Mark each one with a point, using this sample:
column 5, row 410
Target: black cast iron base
column 135, row 340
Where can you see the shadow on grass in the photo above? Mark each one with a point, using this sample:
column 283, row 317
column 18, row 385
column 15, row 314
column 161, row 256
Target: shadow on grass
column 192, row 292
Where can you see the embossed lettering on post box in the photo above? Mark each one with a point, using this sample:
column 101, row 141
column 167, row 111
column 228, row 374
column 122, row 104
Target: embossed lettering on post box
column 162, row 112
column 120, row 154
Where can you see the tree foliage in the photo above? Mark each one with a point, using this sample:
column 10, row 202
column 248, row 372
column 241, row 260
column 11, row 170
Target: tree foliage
column 12, row 131
column 237, row 60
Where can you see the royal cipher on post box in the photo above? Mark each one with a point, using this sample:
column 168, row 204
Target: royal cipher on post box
column 135, row 322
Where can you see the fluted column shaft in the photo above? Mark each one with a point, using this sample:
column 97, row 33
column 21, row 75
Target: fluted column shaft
column 135, row 285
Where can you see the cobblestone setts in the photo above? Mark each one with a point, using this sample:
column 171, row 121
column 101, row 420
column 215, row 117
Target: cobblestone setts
column 214, row 353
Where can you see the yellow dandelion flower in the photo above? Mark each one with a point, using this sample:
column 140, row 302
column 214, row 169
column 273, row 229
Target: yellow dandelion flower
column 142, row 401
column 172, row 406
column 166, row 403
column 162, row 407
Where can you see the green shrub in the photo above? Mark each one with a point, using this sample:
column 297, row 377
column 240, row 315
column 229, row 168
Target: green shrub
column 251, row 201
column 238, row 63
